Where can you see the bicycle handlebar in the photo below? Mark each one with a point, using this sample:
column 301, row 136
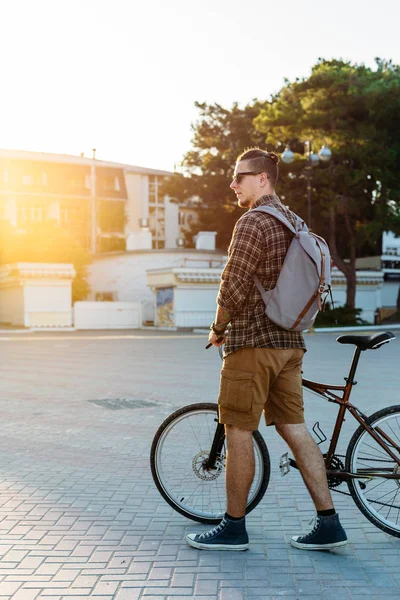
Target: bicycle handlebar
column 210, row 344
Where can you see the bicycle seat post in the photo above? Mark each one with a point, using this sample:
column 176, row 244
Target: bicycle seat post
column 353, row 367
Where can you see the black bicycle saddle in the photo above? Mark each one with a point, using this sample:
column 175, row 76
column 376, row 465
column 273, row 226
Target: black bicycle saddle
column 367, row 342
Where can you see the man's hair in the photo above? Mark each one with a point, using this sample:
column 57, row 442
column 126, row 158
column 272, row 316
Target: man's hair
column 262, row 161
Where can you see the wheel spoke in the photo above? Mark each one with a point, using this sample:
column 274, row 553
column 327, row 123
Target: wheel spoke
column 182, row 448
column 378, row 498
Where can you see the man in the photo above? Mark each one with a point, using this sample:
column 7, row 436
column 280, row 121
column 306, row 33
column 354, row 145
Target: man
column 262, row 365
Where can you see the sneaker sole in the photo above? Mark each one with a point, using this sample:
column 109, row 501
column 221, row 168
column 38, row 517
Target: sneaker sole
column 200, row 546
column 318, row 546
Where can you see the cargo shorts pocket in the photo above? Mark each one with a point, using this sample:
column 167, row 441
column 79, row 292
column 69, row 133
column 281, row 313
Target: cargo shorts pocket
column 236, row 390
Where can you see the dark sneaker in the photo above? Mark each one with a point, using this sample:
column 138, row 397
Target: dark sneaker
column 228, row 535
column 326, row 534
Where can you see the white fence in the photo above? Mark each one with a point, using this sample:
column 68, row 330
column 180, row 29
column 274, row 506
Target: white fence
column 107, row 315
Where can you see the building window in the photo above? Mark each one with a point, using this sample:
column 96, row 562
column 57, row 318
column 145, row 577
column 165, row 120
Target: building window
column 152, row 190
column 109, row 184
column 5, row 176
column 69, row 214
column 30, row 213
column 88, row 182
column 37, row 213
column 111, row 215
column 44, row 178
column 155, row 190
column 27, row 179
column 117, row 185
column 104, row 296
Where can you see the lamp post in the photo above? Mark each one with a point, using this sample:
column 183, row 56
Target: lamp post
column 312, row 160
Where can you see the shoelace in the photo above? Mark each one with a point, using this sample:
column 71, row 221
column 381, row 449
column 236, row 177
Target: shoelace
column 214, row 531
column 315, row 522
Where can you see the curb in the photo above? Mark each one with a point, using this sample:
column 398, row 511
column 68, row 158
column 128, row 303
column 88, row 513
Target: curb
column 356, row 329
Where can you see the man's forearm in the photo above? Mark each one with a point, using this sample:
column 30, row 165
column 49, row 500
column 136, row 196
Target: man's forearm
column 222, row 318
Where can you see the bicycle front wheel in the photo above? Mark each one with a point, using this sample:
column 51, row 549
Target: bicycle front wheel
column 377, row 497
column 179, row 451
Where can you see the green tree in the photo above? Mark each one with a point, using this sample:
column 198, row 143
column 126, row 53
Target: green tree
column 46, row 242
column 355, row 110
column 219, row 136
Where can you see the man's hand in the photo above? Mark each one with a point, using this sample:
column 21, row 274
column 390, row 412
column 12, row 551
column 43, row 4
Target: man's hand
column 213, row 337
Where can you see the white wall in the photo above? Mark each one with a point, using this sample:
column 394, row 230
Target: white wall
column 48, row 303
column 389, row 240
column 107, row 315
column 125, row 273
column 389, row 293
column 36, row 294
column 195, row 306
column 368, row 298
column 171, row 223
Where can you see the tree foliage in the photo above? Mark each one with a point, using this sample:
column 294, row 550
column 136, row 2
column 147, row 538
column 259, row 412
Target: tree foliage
column 45, row 241
column 219, row 136
column 355, row 110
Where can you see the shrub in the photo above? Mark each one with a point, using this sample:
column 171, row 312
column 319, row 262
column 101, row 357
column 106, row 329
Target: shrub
column 340, row 316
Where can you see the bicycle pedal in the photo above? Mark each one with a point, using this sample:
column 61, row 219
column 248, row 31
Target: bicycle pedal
column 284, row 464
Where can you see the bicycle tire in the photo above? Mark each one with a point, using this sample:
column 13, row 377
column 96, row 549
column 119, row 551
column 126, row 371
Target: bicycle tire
column 173, row 489
column 379, row 498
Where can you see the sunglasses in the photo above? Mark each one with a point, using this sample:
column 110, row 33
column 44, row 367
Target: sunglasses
column 240, row 176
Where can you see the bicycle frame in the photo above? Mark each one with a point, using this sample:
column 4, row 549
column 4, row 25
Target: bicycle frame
column 327, row 391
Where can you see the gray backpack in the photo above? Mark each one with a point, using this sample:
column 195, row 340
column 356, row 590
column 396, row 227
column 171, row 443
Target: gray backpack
column 304, row 281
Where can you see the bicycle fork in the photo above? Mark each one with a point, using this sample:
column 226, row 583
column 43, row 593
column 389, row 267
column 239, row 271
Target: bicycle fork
column 216, row 448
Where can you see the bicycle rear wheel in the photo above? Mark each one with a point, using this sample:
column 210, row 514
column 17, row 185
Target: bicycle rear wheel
column 180, row 447
column 377, row 498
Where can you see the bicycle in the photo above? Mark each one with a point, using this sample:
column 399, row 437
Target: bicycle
column 188, row 454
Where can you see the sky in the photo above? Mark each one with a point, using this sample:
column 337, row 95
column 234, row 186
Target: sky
column 122, row 76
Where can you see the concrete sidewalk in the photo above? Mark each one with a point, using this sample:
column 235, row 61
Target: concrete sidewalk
column 81, row 517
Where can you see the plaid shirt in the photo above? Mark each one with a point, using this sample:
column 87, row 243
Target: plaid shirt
column 258, row 247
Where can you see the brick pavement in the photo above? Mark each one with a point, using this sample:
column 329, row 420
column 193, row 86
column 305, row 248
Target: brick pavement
column 80, row 516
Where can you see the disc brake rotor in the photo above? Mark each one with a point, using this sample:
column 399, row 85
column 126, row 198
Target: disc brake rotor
column 199, row 462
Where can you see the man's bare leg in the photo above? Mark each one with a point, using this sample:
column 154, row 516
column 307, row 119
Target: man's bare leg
column 239, row 469
column 310, row 462
column 231, row 534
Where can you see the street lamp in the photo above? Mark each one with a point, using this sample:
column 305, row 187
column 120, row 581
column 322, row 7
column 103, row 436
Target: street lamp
column 312, row 160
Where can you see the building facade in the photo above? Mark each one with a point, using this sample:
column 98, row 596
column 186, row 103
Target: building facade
column 388, row 263
column 106, row 205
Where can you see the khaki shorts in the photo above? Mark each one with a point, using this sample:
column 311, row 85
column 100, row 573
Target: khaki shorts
column 254, row 380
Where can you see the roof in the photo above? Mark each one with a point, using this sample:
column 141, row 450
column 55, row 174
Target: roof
column 108, row 255
column 79, row 160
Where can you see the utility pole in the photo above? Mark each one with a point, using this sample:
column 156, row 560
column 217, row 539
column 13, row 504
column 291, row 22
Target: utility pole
column 93, row 211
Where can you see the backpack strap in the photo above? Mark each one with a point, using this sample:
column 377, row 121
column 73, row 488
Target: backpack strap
column 264, row 294
column 300, row 225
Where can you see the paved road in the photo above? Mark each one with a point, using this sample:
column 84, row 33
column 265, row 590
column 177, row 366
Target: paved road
column 80, row 516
